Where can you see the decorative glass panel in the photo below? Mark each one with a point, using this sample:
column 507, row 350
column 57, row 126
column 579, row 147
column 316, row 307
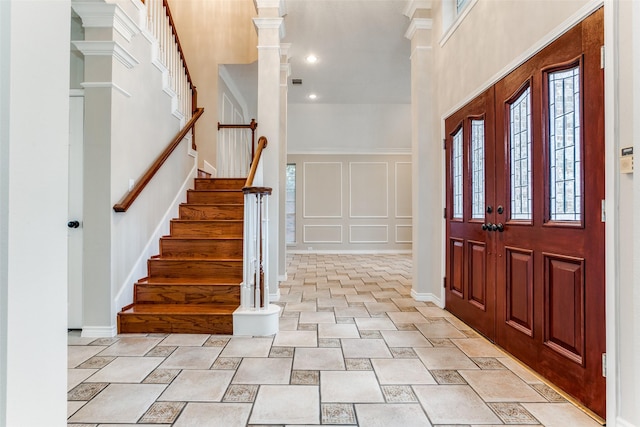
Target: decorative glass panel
column 456, row 156
column 290, row 203
column 477, row 168
column 520, row 153
column 460, row 4
column 564, row 145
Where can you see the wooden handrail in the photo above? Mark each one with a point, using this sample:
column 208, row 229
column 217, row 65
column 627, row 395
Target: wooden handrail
column 253, row 126
column 131, row 196
column 262, row 143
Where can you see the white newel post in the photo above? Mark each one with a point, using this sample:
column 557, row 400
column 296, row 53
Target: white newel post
column 427, row 155
column 285, row 72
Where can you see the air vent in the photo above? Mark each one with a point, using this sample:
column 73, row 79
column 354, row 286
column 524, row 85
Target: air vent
column 296, row 81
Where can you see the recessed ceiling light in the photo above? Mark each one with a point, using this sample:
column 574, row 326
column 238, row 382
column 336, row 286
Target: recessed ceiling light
column 312, row 59
column 313, row 96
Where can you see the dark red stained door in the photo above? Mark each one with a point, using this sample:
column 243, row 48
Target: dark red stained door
column 470, row 280
column 548, row 260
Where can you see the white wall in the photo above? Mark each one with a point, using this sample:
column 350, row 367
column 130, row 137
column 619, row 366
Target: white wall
column 34, row 120
column 349, row 128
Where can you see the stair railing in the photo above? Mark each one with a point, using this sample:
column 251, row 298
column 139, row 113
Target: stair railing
column 255, row 289
column 235, row 150
column 171, row 56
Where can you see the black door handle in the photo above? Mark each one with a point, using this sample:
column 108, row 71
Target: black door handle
column 73, row 224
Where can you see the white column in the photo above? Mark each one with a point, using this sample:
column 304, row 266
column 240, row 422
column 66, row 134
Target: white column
column 285, row 72
column 34, row 135
column 427, row 172
column 269, row 24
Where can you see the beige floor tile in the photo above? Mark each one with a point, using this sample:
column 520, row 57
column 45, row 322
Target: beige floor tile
column 185, row 339
column 119, row 403
column 433, row 312
column 198, row 386
column 559, row 415
column 454, row 404
column 73, row 406
column 191, row 358
column 338, row 301
column 296, row 339
column 478, row 347
column 350, row 387
column 405, row 339
column 317, row 317
column 264, row 370
column 318, row 359
column 301, row 306
column 381, row 307
column 247, row 347
column 367, row 348
column 126, row 370
column 401, row 371
column 288, row 324
column 77, row 354
column 286, row 404
column 351, row 312
column 74, row 338
column 131, row 346
column 439, row 330
column 214, row 414
column 343, row 330
column 76, row 376
column 524, row 373
column 374, row 324
column 445, row 358
column 407, row 317
column 391, row 414
column 500, row 386
column 360, row 298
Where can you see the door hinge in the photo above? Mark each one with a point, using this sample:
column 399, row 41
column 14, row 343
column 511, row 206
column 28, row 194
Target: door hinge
column 603, row 211
column 444, row 213
column 602, row 57
column 444, row 282
column 444, row 144
column 604, row 365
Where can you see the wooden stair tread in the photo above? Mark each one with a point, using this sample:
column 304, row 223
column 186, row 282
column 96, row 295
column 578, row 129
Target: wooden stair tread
column 201, row 281
column 201, row 238
column 173, row 309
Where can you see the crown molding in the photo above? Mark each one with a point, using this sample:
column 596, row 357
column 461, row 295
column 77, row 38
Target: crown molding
column 418, row 24
column 413, row 5
column 106, row 48
column 271, row 4
column 106, row 15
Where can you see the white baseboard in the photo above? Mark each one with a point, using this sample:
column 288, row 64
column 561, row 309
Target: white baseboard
column 257, row 323
column 623, row 423
column 275, row 296
column 99, row 331
column 351, row 252
column 427, row 297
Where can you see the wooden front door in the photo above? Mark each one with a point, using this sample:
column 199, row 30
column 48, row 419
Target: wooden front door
column 545, row 242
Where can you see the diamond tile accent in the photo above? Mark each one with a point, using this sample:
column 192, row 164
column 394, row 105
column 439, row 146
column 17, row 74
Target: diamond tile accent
column 513, row 413
column 441, row 342
column 104, row 341
column 370, row 334
column 161, row 351
column 227, row 363
column 305, row 377
column 216, row 342
column 329, row 342
column 403, row 352
column 162, row 412
column 398, row 393
column 161, row 376
column 96, row 362
column 338, row 413
column 447, row 377
column 308, row 327
column 358, row 364
column 488, row 363
column 241, row 393
column 281, row 352
column 85, row 391
column 548, row 393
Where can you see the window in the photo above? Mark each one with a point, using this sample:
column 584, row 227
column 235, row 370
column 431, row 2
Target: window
column 290, row 204
column 457, row 174
column 477, row 168
column 460, row 4
column 565, row 194
column 520, row 156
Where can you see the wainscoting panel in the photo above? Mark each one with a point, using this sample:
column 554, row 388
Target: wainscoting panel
column 403, row 190
column 322, row 190
column 368, row 234
column 368, row 190
column 322, row 234
column 404, row 233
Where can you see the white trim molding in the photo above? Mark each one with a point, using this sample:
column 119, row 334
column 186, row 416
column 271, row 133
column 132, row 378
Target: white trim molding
column 418, row 24
column 106, row 15
column 110, row 85
column 427, row 297
column 414, row 5
column 99, row 331
column 106, row 48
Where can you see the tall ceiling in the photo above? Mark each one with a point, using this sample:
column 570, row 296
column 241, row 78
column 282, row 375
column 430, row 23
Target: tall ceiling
column 363, row 56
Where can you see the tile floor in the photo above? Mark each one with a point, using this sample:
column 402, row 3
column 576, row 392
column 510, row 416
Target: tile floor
column 353, row 349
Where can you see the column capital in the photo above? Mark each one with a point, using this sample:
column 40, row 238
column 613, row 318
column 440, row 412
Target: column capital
column 418, row 24
column 414, row 5
column 106, row 15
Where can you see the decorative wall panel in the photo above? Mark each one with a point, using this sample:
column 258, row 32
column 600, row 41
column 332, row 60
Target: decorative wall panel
column 322, row 193
column 403, row 190
column 404, row 233
column 322, row 234
column 368, row 234
column 368, row 190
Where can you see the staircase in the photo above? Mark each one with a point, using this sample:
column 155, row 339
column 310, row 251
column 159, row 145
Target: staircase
column 193, row 285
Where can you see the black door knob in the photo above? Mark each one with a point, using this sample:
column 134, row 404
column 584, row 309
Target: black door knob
column 500, row 227
column 73, row 224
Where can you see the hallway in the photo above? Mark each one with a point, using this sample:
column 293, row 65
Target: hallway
column 353, row 349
